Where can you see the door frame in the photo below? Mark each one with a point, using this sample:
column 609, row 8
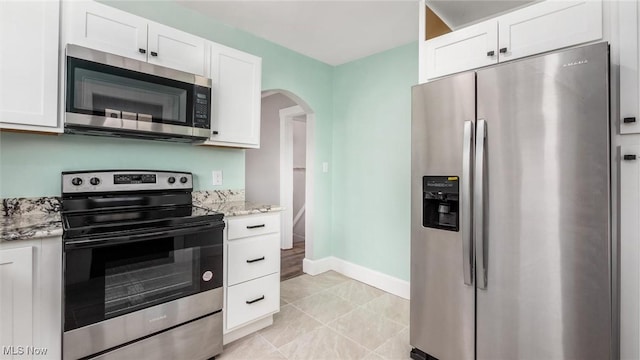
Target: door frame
column 286, row 176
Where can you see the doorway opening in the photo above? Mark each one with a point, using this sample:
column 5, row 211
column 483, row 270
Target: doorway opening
column 280, row 172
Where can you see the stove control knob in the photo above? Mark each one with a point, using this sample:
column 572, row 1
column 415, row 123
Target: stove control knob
column 171, row 180
column 183, row 179
column 94, row 181
column 76, row 181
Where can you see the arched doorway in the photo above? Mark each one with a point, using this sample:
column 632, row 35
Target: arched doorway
column 282, row 172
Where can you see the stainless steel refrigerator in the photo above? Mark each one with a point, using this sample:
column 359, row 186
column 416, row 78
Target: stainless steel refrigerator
column 510, row 212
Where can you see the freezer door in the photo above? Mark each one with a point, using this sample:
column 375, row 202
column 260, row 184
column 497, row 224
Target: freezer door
column 442, row 305
column 546, row 211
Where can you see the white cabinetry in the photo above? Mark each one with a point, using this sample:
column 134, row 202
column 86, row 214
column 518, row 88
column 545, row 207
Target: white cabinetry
column 31, row 299
column 629, row 35
column 101, row 27
column 16, row 298
column 252, row 280
column 547, row 26
column 29, row 65
column 538, row 28
column 176, row 49
column 629, row 251
column 235, row 107
column 469, row 48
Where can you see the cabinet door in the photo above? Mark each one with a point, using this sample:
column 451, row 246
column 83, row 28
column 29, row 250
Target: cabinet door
column 253, row 300
column 629, row 33
column 465, row 49
column 176, row 49
column 29, row 63
column 16, row 298
column 629, row 252
column 548, row 26
column 235, row 108
column 104, row 28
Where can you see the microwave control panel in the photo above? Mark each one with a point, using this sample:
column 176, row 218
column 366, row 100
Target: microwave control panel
column 202, row 106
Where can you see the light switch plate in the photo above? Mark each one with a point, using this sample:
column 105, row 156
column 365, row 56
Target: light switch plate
column 217, row 177
column 325, row 167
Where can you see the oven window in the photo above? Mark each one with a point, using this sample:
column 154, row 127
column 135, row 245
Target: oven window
column 103, row 90
column 106, row 282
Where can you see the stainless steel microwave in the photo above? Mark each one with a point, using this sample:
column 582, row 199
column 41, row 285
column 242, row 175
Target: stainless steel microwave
column 111, row 95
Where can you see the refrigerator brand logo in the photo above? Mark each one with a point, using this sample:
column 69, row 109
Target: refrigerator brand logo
column 579, row 62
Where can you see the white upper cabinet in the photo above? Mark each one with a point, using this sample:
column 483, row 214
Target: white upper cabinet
column 629, row 35
column 535, row 29
column 548, row 26
column 465, row 49
column 29, row 65
column 101, row 27
column 176, row 49
column 236, row 95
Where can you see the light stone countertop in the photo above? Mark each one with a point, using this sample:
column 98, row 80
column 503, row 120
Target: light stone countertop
column 26, row 227
column 32, row 218
column 238, row 208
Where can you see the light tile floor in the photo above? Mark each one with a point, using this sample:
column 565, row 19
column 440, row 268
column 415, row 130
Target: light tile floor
column 330, row 317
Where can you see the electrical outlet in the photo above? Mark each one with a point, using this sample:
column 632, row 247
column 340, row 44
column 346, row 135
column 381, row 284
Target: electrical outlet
column 325, row 167
column 217, row 177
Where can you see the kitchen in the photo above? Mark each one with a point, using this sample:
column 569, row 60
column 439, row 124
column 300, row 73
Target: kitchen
column 361, row 158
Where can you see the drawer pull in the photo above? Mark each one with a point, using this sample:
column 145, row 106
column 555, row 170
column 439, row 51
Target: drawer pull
column 255, row 226
column 629, row 157
column 255, row 260
column 255, row 300
column 629, row 120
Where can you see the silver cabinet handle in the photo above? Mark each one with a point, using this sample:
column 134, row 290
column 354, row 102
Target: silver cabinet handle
column 478, row 205
column 465, row 211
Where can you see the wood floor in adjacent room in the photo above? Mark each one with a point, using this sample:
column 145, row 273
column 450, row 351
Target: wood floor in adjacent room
column 291, row 261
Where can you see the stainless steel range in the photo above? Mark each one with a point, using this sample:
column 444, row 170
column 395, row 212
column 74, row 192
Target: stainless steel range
column 142, row 267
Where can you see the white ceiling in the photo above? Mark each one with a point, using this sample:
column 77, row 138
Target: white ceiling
column 458, row 13
column 334, row 32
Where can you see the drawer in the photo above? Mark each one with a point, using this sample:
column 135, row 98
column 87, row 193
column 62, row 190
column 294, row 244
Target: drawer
column 245, row 226
column 252, row 258
column 252, row 300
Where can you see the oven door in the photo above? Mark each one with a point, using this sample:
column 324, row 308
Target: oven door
column 120, row 289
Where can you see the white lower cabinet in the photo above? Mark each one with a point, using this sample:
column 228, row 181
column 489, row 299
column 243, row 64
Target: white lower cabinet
column 253, row 299
column 31, row 299
column 629, row 251
column 252, row 273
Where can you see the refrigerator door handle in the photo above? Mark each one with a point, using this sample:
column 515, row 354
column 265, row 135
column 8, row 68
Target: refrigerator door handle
column 467, row 247
column 478, row 205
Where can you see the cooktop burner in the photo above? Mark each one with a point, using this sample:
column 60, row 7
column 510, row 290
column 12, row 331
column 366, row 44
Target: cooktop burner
column 129, row 202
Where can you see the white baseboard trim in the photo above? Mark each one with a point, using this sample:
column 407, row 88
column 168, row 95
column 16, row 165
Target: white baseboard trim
column 368, row 276
column 315, row 267
column 243, row 331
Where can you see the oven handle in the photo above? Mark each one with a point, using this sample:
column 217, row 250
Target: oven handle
column 116, row 240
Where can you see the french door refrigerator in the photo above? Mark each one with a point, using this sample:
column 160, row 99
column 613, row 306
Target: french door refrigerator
column 510, row 224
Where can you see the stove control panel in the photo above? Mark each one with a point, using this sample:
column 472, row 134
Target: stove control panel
column 124, row 180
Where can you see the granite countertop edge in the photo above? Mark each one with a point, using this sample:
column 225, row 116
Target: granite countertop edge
column 30, row 227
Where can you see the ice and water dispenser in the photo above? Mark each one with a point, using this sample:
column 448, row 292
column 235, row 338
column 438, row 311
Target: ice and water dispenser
column 440, row 202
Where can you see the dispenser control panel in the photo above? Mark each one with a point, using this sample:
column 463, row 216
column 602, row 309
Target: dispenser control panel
column 441, row 196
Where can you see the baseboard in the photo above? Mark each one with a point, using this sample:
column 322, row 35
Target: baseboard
column 243, row 331
column 315, row 267
column 368, row 276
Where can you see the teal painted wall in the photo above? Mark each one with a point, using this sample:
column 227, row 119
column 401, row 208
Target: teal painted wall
column 372, row 160
column 30, row 165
